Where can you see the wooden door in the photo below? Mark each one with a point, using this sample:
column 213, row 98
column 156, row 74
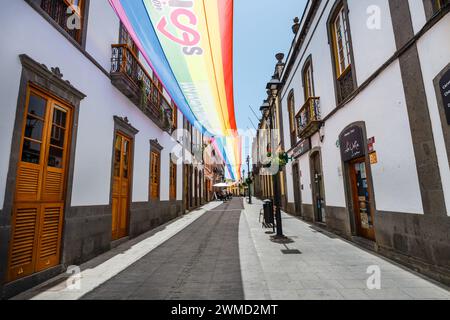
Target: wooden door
column 173, row 181
column 362, row 202
column 155, row 174
column 195, row 187
column 38, row 208
column 186, row 187
column 318, row 189
column 121, row 186
column 297, row 188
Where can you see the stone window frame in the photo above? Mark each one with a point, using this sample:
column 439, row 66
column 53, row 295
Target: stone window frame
column 334, row 11
column 50, row 81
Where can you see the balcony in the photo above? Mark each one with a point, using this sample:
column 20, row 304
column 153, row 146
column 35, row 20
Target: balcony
column 130, row 77
column 309, row 118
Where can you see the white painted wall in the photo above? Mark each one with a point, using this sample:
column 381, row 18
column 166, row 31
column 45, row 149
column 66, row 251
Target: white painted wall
column 418, row 16
column 371, row 46
column 436, row 38
column 35, row 37
column 381, row 105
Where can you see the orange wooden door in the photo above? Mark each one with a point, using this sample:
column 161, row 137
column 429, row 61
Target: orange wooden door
column 362, row 202
column 155, row 172
column 38, row 208
column 121, row 186
column 173, row 181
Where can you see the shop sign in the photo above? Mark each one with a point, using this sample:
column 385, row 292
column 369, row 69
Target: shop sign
column 373, row 157
column 370, row 144
column 301, row 148
column 352, row 144
column 444, row 85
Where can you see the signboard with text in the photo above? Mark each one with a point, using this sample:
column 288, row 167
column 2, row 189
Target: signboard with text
column 352, row 144
column 444, row 86
column 301, row 148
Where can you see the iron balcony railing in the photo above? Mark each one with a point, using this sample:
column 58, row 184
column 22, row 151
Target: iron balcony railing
column 309, row 117
column 61, row 12
column 144, row 92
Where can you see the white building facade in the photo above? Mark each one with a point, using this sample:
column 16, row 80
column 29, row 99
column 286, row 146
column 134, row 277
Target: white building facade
column 365, row 117
column 86, row 133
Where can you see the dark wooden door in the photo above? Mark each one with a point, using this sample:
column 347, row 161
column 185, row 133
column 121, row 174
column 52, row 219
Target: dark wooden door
column 297, row 189
column 318, row 189
column 121, row 186
column 38, row 208
column 362, row 202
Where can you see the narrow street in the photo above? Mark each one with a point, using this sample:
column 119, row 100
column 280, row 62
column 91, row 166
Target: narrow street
column 222, row 252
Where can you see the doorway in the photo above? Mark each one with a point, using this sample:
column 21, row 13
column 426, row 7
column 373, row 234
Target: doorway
column 195, row 187
column 362, row 201
column 121, row 186
column 297, row 189
column 40, row 191
column 317, row 187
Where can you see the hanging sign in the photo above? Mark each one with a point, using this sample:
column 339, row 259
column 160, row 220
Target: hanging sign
column 301, row 148
column 444, row 85
column 373, row 157
column 352, row 143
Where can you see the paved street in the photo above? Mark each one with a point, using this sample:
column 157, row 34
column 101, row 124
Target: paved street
column 222, row 252
column 200, row 262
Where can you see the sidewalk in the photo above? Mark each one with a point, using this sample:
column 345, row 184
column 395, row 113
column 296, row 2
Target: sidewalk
column 327, row 268
column 108, row 265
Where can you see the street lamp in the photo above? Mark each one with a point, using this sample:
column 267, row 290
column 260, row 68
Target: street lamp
column 273, row 87
column 243, row 177
column 265, row 107
column 249, row 181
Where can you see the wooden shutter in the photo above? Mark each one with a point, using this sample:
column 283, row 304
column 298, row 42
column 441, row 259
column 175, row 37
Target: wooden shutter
column 51, row 219
column 21, row 258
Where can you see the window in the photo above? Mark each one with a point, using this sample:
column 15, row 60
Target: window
column 439, row 4
column 174, row 115
column 339, row 31
column 341, row 43
column 157, row 83
column 308, row 81
column 68, row 14
column 155, row 174
column 125, row 38
column 173, row 181
column 291, row 111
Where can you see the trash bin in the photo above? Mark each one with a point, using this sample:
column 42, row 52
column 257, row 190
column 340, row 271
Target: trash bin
column 268, row 211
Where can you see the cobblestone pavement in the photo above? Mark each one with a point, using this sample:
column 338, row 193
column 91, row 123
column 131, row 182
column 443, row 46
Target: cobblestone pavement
column 222, row 252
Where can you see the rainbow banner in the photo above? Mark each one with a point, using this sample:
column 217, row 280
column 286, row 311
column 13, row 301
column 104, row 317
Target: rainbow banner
column 189, row 45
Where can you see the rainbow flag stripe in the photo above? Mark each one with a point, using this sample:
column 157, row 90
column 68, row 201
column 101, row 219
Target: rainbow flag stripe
column 189, row 45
